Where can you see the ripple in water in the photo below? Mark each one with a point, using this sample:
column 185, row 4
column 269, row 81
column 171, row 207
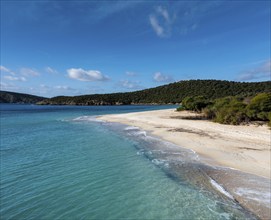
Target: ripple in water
column 60, row 168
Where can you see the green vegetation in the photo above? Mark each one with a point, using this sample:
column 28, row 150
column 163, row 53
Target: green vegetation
column 13, row 97
column 167, row 94
column 259, row 107
column 233, row 109
column 229, row 110
column 221, row 101
column 196, row 103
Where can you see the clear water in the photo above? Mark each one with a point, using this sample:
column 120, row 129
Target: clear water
column 56, row 164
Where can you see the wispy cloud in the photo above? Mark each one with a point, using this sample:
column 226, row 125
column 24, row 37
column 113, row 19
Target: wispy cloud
column 64, row 88
column 107, row 8
column 181, row 17
column 86, row 75
column 262, row 71
column 159, row 30
column 29, row 72
column 54, row 90
column 8, row 86
column 161, row 22
column 127, row 84
column 21, row 75
column 159, row 77
column 60, row 11
column 128, row 73
column 15, row 78
column 44, row 86
column 6, row 70
column 51, row 70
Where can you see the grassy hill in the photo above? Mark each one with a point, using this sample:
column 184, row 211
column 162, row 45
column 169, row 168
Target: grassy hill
column 171, row 93
column 13, row 97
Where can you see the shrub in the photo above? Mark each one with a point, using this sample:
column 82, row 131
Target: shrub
column 196, row 103
column 180, row 108
column 229, row 110
column 259, row 107
column 187, row 103
column 209, row 112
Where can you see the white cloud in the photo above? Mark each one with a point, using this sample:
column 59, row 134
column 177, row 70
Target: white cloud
column 164, row 13
column 128, row 73
column 161, row 22
column 130, row 84
column 50, row 70
column 261, row 72
column 156, row 27
column 8, row 86
column 29, row 72
column 15, row 78
column 44, row 86
column 63, row 88
column 86, row 75
column 24, row 72
column 4, row 69
column 159, row 77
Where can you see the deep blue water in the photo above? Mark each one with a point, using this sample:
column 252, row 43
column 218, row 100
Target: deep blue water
column 56, row 163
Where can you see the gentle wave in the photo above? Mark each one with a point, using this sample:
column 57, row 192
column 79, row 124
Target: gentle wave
column 129, row 128
column 259, row 196
column 87, row 119
column 221, row 189
column 78, row 170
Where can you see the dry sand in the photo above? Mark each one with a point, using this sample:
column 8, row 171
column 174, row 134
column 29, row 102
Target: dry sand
column 245, row 148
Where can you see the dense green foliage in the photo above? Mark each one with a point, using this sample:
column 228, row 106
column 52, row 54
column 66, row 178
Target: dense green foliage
column 171, row 93
column 13, row 97
column 259, row 107
column 233, row 109
column 196, row 103
column 229, row 110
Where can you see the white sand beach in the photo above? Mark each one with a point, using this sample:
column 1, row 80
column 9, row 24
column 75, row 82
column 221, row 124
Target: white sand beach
column 245, row 148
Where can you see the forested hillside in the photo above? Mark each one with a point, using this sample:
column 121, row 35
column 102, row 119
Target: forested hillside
column 13, row 97
column 171, row 93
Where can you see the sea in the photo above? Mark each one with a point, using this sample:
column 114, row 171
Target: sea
column 61, row 162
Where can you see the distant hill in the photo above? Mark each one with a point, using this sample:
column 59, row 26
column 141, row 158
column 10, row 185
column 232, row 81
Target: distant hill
column 13, row 97
column 166, row 94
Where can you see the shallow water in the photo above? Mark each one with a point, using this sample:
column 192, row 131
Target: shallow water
column 58, row 162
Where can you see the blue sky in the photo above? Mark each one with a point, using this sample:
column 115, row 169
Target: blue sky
column 52, row 48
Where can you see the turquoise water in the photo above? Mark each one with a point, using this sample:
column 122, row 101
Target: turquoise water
column 57, row 162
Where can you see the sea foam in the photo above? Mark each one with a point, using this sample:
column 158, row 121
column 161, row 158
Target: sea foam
column 220, row 189
column 87, row 118
column 260, row 196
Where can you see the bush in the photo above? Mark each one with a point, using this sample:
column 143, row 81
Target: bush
column 229, row 110
column 209, row 112
column 188, row 103
column 180, row 108
column 259, row 107
column 196, row 103
column 231, row 113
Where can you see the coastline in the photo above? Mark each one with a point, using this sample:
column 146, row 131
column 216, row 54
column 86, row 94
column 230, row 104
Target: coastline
column 244, row 151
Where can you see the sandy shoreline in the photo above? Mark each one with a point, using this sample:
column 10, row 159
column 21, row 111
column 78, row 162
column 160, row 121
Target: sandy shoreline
column 244, row 148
